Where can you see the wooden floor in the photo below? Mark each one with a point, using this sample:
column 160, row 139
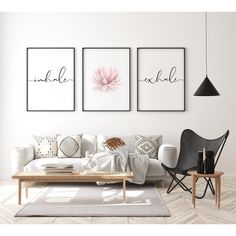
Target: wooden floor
column 178, row 203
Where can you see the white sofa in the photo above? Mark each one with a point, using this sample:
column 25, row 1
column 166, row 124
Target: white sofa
column 22, row 158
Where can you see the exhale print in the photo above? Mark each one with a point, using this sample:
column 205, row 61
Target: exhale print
column 161, row 79
column 50, row 79
column 171, row 78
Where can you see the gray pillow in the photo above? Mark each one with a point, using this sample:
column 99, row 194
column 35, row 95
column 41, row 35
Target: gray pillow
column 147, row 145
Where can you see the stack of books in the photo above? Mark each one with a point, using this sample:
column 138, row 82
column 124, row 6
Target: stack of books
column 58, row 168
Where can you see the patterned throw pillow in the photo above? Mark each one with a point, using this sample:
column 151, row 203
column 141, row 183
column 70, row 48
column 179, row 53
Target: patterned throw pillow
column 69, row 146
column 147, row 145
column 45, row 146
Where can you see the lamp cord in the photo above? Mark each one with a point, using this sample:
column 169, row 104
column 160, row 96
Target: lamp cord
column 206, row 39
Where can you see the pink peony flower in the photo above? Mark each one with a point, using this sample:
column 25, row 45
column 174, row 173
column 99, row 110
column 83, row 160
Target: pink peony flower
column 106, row 80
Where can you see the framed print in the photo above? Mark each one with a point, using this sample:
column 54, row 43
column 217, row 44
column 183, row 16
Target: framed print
column 161, row 79
column 106, row 79
column 50, row 79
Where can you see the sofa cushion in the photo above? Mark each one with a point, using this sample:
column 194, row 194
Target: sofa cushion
column 147, row 145
column 89, row 144
column 45, row 146
column 36, row 164
column 69, row 146
column 155, row 168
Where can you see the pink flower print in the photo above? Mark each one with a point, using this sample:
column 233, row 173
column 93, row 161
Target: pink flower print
column 106, row 79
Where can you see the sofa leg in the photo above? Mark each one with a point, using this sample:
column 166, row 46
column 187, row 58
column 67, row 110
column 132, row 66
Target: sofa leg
column 26, row 190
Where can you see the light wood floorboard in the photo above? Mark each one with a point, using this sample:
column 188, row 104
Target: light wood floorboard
column 178, row 202
column 72, row 220
column 109, row 220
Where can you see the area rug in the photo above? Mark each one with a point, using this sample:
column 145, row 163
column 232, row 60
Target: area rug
column 96, row 200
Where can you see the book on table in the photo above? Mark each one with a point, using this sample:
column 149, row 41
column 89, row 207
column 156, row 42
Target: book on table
column 58, row 168
column 56, row 165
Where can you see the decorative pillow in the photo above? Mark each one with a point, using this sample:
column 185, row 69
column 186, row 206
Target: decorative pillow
column 69, row 146
column 45, row 146
column 113, row 143
column 147, row 145
column 102, row 147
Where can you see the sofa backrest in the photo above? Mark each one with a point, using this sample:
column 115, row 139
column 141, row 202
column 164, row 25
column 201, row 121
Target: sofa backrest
column 93, row 143
column 130, row 141
column 89, row 143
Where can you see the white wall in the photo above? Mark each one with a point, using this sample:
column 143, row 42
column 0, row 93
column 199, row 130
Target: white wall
column 209, row 116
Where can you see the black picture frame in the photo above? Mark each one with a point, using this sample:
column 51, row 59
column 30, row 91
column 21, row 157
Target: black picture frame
column 27, row 80
column 83, row 80
column 184, row 78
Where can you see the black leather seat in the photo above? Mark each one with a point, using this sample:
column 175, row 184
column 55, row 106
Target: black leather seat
column 190, row 144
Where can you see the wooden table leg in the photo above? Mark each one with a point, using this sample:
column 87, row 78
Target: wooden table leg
column 19, row 191
column 124, row 190
column 193, row 190
column 219, row 190
column 26, row 189
column 216, row 190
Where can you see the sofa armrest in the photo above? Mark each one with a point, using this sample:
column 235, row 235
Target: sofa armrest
column 20, row 156
column 167, row 155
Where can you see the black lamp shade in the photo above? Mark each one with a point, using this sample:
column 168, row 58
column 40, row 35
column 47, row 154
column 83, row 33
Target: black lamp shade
column 206, row 89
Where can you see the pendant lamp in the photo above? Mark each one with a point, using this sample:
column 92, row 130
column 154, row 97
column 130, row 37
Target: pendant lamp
column 206, row 88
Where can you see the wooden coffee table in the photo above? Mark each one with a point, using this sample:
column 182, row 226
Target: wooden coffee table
column 71, row 177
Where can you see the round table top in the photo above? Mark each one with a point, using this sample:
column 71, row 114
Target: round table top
column 216, row 173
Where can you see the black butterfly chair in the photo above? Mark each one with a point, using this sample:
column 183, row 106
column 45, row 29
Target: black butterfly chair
column 190, row 144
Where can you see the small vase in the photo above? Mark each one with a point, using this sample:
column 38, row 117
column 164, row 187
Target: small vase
column 209, row 164
column 200, row 164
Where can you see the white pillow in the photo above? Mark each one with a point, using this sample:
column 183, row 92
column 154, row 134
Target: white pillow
column 45, row 146
column 69, row 145
column 101, row 147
